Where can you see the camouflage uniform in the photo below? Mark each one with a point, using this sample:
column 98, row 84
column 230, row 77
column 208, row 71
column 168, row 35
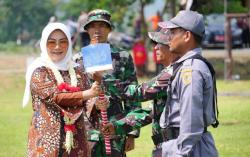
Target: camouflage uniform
column 155, row 89
column 123, row 72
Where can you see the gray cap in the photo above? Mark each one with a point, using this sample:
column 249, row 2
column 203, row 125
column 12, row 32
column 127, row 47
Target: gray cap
column 162, row 36
column 188, row 20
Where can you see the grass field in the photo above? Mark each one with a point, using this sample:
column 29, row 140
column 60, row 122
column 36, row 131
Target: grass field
column 232, row 137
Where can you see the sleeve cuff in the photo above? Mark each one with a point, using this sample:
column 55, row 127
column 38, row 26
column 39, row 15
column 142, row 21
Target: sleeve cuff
column 135, row 133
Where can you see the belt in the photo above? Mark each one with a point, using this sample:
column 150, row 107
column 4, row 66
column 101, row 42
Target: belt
column 205, row 130
column 169, row 133
column 165, row 135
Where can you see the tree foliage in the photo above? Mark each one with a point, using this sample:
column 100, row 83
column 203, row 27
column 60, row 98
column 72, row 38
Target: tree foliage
column 117, row 8
column 18, row 17
column 217, row 6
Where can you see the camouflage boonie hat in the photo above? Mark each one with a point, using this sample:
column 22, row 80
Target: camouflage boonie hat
column 98, row 15
column 162, row 36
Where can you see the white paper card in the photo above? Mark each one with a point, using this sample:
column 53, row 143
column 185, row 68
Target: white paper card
column 97, row 57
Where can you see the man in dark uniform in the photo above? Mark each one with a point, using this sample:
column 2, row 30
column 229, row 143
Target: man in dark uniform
column 98, row 26
column 192, row 102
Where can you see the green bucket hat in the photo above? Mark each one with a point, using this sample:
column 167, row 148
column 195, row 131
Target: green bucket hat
column 162, row 36
column 98, row 15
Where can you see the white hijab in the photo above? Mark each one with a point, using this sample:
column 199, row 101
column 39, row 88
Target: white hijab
column 44, row 58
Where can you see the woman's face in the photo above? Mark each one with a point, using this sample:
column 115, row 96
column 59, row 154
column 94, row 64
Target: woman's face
column 57, row 45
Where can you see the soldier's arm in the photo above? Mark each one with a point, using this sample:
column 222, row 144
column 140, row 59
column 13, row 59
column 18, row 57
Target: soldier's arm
column 152, row 89
column 130, row 76
column 134, row 120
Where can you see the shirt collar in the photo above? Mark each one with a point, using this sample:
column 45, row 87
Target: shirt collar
column 168, row 69
column 189, row 54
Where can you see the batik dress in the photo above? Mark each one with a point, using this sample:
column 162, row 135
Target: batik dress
column 47, row 131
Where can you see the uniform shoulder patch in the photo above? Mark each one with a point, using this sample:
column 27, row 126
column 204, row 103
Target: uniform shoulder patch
column 186, row 76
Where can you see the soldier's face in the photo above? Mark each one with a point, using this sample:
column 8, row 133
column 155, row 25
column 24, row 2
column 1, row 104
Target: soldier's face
column 98, row 32
column 163, row 54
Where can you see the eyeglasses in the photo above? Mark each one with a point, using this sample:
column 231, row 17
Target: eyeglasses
column 176, row 31
column 52, row 43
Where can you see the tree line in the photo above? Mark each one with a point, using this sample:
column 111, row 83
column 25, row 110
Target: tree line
column 26, row 18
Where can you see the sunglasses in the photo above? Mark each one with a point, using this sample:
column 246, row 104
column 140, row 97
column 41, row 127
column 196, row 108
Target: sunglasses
column 52, row 43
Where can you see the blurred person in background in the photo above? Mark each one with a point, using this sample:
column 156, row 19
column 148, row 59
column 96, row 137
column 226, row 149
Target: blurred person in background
column 155, row 19
column 84, row 36
column 137, row 26
column 72, row 26
column 140, row 56
column 245, row 35
column 154, row 26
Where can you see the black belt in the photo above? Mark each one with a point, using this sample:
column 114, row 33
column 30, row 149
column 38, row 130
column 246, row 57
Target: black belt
column 165, row 135
column 205, row 130
column 169, row 133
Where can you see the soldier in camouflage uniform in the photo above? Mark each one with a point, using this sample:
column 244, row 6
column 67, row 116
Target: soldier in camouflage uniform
column 98, row 26
column 155, row 89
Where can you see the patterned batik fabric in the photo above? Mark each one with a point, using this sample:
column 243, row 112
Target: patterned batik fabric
column 46, row 134
column 123, row 72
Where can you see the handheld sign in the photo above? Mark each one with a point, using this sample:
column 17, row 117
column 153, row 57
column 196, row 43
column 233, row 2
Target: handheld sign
column 97, row 57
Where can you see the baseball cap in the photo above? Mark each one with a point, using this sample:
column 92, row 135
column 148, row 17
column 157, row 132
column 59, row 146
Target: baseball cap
column 98, row 15
column 162, row 36
column 188, row 20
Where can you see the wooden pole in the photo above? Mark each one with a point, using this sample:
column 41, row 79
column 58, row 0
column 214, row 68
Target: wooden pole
column 228, row 67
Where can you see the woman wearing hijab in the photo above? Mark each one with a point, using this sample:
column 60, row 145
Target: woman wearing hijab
column 59, row 91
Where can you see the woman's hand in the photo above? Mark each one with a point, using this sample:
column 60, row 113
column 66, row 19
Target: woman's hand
column 96, row 89
column 102, row 104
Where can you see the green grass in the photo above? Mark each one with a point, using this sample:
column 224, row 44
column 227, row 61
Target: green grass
column 12, row 48
column 14, row 120
column 232, row 137
column 233, row 86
